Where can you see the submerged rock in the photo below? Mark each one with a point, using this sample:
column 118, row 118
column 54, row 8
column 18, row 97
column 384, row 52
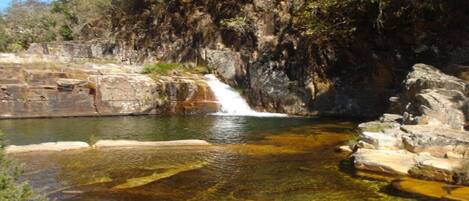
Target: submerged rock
column 130, row 143
column 432, row 189
column 141, row 181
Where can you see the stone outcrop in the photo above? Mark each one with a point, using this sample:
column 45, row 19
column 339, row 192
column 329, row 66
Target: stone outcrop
column 426, row 137
column 48, row 147
column 432, row 97
column 101, row 144
column 48, row 88
column 130, row 143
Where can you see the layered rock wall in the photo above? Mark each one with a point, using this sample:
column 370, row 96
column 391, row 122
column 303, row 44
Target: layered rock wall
column 47, row 88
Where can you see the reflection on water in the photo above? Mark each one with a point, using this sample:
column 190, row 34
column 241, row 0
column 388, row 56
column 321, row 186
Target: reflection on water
column 252, row 159
column 211, row 128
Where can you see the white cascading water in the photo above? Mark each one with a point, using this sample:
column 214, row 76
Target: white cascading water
column 232, row 103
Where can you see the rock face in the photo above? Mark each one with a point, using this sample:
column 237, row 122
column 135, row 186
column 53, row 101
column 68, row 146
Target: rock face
column 426, row 138
column 432, row 97
column 46, row 88
column 266, row 48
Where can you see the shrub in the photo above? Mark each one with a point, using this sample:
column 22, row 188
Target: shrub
column 161, row 68
column 10, row 189
column 238, row 24
column 168, row 68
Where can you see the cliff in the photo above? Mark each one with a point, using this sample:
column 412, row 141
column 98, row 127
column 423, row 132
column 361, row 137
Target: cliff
column 324, row 57
column 37, row 86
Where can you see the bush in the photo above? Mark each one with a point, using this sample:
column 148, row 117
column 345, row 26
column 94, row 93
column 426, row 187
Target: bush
column 238, row 24
column 343, row 20
column 10, row 189
column 168, row 68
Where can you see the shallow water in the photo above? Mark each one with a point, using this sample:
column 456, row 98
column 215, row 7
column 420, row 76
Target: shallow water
column 251, row 159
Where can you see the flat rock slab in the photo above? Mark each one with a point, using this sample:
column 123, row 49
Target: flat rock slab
column 130, row 143
column 50, row 146
column 385, row 161
column 437, row 131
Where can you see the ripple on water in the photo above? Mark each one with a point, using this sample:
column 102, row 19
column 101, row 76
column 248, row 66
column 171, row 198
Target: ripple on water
column 264, row 160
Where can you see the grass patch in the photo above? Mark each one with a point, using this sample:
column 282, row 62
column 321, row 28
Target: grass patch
column 173, row 68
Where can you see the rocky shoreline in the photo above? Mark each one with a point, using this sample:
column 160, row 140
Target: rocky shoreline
column 426, row 135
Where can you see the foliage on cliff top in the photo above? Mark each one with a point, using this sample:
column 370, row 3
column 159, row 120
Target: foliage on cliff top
column 344, row 20
column 32, row 21
column 10, row 188
column 173, row 68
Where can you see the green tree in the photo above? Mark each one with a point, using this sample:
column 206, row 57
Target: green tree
column 79, row 13
column 29, row 21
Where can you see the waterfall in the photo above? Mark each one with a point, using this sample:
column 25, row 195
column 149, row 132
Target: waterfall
column 232, row 103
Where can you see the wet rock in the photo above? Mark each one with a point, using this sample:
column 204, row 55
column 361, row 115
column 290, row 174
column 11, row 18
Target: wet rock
column 130, row 143
column 52, row 146
column 432, row 189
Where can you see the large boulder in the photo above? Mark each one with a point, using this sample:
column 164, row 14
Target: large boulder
column 225, row 63
column 432, row 97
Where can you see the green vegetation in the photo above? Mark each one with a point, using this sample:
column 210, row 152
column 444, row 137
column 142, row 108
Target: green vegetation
column 93, row 140
column 33, row 21
column 76, row 14
column 10, row 188
column 173, row 68
column 25, row 22
column 344, row 20
column 238, row 24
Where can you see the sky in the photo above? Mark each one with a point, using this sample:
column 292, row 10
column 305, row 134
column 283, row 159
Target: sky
column 5, row 3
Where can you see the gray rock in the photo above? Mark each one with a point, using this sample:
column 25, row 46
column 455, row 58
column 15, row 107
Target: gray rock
column 227, row 64
column 432, row 97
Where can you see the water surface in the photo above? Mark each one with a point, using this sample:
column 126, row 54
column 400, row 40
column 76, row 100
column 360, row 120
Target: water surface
column 285, row 159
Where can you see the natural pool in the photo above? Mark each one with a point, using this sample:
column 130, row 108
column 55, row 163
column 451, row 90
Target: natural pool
column 251, row 159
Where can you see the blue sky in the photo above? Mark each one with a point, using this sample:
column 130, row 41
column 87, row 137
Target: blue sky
column 4, row 4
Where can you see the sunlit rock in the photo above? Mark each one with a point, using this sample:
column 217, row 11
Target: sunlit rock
column 385, row 161
column 131, row 143
column 52, row 146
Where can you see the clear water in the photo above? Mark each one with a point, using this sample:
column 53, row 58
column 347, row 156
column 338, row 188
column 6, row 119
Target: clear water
column 231, row 101
column 285, row 159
